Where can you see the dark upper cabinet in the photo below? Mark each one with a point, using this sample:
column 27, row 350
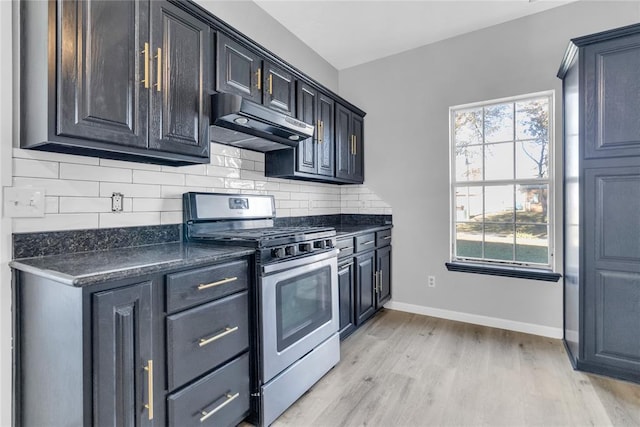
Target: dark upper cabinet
column 326, row 145
column 123, row 357
column 602, row 200
column 180, row 57
column 244, row 72
column 115, row 79
column 239, row 70
column 278, row 89
column 313, row 158
column 99, row 61
column 349, row 145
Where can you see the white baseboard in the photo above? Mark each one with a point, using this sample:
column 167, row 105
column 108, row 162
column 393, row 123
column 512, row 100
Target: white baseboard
column 493, row 322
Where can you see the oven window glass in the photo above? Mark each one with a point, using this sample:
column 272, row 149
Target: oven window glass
column 303, row 305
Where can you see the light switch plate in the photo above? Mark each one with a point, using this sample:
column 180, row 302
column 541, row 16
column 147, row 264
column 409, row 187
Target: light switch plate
column 24, row 202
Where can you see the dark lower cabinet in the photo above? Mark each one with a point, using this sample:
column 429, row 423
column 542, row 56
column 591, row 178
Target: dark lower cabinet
column 602, row 201
column 346, row 281
column 383, row 265
column 364, row 277
column 118, row 354
column 365, row 286
column 116, row 79
column 124, row 382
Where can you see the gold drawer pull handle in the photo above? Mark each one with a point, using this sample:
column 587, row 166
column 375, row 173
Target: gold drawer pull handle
column 227, row 331
column 387, row 237
column 368, row 242
column 230, row 398
column 218, row 283
column 149, row 369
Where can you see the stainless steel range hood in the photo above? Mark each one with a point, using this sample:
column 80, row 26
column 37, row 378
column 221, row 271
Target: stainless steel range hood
column 241, row 123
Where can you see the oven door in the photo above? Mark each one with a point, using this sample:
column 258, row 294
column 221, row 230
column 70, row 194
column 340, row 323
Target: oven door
column 299, row 309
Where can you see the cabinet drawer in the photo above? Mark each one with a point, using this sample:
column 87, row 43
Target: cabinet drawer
column 365, row 242
column 204, row 337
column 193, row 287
column 224, row 392
column 345, row 246
column 383, row 238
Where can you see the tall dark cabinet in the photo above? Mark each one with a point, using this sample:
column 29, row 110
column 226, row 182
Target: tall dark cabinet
column 601, row 83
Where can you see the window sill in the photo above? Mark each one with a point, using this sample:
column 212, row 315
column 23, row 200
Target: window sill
column 519, row 273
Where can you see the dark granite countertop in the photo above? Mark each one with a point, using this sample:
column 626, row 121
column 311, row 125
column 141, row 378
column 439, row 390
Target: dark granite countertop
column 351, row 230
column 87, row 268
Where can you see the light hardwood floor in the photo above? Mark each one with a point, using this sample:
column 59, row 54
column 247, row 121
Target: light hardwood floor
column 403, row 369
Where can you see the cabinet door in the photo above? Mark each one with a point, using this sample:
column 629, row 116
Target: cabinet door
column 278, row 89
column 122, row 349
column 357, row 165
column 180, row 76
column 344, row 146
column 347, row 303
column 365, row 286
column 307, row 112
column 326, row 146
column 383, row 263
column 238, row 69
column 612, row 268
column 100, row 96
column 612, row 105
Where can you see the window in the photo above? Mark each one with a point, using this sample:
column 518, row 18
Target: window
column 501, row 182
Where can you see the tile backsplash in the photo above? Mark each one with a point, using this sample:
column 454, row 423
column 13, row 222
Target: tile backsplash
column 78, row 189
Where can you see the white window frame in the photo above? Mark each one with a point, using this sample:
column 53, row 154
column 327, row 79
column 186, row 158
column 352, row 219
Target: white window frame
column 550, row 181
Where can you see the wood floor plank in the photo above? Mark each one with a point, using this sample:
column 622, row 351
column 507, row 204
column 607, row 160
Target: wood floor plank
column 403, row 369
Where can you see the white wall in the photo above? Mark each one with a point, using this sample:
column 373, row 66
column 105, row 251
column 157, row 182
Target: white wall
column 407, row 163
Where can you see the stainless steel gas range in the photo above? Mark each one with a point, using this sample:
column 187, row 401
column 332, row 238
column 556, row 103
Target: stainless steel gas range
column 294, row 304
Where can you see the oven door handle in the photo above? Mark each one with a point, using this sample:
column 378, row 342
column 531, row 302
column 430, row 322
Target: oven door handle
column 286, row 265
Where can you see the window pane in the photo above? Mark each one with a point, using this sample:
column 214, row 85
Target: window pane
column 532, row 159
column 468, row 203
column 468, row 127
column 498, row 203
column 498, row 123
column 531, row 203
column 532, row 119
column 469, row 240
column 498, row 161
column 498, row 241
column 531, row 244
column 469, row 163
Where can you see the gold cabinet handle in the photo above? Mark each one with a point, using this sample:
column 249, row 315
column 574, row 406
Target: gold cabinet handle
column 203, row 286
column 321, row 131
column 259, row 77
column 227, row 331
column 376, row 282
column 270, row 84
column 319, row 127
column 145, row 52
column 149, row 369
column 158, row 84
column 381, row 281
column 387, row 237
column 230, row 398
column 368, row 242
column 355, row 145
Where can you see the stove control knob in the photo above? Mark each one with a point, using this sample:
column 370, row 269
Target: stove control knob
column 290, row 250
column 306, row 247
column 329, row 243
column 278, row 252
column 319, row 244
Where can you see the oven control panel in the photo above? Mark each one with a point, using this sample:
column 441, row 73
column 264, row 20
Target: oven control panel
column 300, row 249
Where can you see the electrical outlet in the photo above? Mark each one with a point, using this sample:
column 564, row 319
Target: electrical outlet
column 116, row 202
column 431, row 281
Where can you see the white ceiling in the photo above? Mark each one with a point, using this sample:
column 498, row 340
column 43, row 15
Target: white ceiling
column 349, row 33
